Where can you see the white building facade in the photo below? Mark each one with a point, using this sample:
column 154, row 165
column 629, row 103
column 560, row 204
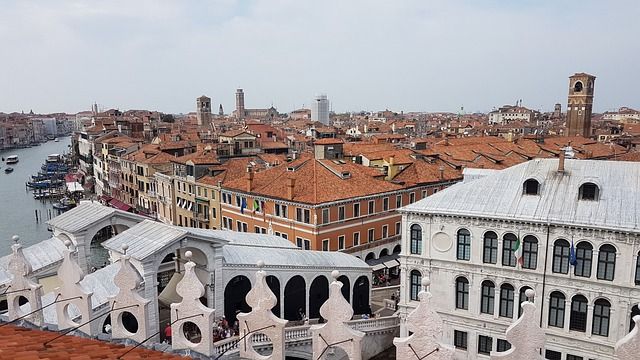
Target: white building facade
column 320, row 109
column 463, row 239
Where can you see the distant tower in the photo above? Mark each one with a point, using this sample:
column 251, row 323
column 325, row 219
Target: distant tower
column 580, row 105
column 320, row 109
column 557, row 111
column 220, row 111
column 240, row 112
column 203, row 110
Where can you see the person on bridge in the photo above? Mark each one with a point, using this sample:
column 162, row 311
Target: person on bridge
column 167, row 333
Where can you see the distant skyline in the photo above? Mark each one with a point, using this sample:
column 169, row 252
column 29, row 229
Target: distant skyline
column 413, row 55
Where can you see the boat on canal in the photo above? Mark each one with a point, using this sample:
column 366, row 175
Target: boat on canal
column 8, row 170
column 12, row 159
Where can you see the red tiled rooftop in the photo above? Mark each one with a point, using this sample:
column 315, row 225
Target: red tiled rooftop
column 17, row 343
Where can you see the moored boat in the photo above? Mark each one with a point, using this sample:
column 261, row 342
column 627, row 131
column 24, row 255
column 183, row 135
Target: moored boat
column 12, row 159
column 8, row 170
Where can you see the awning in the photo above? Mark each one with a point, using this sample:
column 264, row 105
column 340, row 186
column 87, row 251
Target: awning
column 115, row 203
column 391, row 263
column 378, row 267
column 74, row 187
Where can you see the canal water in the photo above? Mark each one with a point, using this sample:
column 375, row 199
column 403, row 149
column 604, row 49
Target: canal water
column 17, row 205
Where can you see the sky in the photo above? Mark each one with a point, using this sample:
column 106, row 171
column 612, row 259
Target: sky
column 405, row 55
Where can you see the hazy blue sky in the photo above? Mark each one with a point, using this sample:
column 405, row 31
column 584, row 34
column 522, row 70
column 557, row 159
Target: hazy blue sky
column 402, row 55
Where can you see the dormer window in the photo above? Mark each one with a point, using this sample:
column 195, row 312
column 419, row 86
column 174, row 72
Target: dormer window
column 531, row 187
column 589, row 191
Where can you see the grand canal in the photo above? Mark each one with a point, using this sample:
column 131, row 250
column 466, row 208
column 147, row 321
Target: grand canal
column 17, row 205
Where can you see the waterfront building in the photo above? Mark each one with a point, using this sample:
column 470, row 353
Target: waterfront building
column 567, row 229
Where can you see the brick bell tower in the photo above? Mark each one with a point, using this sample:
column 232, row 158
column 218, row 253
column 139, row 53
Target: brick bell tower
column 579, row 105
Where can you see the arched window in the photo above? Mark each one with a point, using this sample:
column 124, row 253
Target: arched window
column 638, row 269
column 606, row 262
column 416, row 239
column 635, row 311
column 561, row 256
column 508, row 243
column 556, row 309
column 577, row 87
column 488, row 295
column 416, row 279
column 530, row 252
column 601, row 317
column 462, row 293
column 464, row 244
column 584, row 254
column 578, row 318
column 589, row 191
column 531, row 187
column 490, row 246
column 506, row 300
column 522, row 297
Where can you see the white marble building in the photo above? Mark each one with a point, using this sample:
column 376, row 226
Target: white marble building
column 462, row 239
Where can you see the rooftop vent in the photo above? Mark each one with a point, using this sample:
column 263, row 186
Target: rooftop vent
column 345, row 174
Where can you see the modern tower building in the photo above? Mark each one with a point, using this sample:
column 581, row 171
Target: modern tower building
column 203, row 110
column 580, row 105
column 320, row 109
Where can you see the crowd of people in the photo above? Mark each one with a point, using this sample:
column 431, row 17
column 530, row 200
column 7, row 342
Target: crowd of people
column 223, row 330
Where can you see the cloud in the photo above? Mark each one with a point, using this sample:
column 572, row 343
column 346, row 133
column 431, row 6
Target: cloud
column 409, row 55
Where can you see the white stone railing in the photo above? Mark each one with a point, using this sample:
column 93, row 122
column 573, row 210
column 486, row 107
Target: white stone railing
column 297, row 333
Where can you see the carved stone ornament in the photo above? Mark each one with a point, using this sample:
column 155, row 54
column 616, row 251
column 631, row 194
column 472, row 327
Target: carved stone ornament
column 335, row 332
column 262, row 300
column 22, row 285
column 74, row 306
column 127, row 300
column 426, row 325
column 525, row 335
column 628, row 347
column 190, row 311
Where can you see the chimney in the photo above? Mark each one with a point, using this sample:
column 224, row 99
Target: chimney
column 561, row 161
column 441, row 168
column 291, row 183
column 249, row 178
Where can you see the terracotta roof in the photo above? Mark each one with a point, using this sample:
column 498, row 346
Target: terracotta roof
column 234, row 133
column 328, row 141
column 317, row 181
column 200, row 157
column 17, row 343
column 423, row 172
column 273, row 145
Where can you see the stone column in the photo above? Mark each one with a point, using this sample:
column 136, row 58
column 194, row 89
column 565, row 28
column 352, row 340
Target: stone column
column 496, row 302
column 589, row 320
column 151, row 292
column 282, row 299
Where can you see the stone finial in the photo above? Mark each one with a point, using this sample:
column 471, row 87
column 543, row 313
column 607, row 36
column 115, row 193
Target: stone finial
column 426, row 325
column 78, row 308
column 335, row 332
column 191, row 310
column 22, row 285
column 127, row 300
column 525, row 335
column 125, row 247
column 628, row 347
column 262, row 300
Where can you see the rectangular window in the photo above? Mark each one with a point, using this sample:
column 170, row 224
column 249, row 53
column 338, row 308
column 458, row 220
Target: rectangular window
column 307, row 244
column 573, row 357
column 356, row 238
column 256, row 229
column 485, row 344
column 299, row 214
column 487, row 298
column 325, row 245
column 584, row 253
column 356, row 210
column 281, row 210
column 341, row 213
column 385, row 231
column 307, row 216
column 506, row 301
column 462, row 294
column 284, row 236
column 397, row 228
column 370, row 235
column 325, row 216
column 460, row 339
column 372, row 207
column 412, row 197
column 239, row 225
column 299, row 242
column 464, row 245
column 502, row 345
column 398, row 201
column 341, row 242
column 385, row 204
column 424, row 194
column 552, row 355
column 508, row 257
column 490, row 253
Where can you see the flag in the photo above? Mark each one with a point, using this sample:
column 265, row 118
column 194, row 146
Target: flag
column 572, row 255
column 517, row 251
column 256, row 205
column 243, row 205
